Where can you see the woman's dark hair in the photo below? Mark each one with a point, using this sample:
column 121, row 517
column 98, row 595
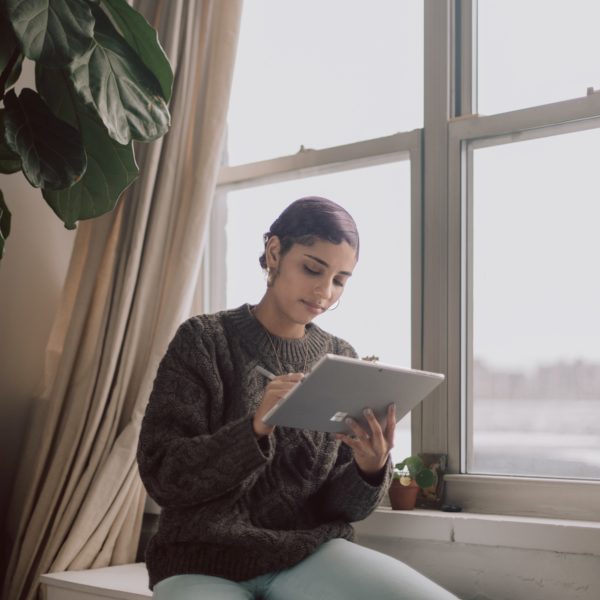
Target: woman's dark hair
column 311, row 218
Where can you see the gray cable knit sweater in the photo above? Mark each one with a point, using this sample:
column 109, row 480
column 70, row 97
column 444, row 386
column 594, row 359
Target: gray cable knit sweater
column 233, row 506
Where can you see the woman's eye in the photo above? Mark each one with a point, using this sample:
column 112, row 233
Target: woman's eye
column 338, row 283
column 311, row 271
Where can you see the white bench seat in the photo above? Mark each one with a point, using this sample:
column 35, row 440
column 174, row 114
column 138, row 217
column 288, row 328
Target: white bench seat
column 122, row 582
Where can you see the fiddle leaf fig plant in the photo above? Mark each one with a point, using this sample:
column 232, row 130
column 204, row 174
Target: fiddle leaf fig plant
column 102, row 82
column 50, row 150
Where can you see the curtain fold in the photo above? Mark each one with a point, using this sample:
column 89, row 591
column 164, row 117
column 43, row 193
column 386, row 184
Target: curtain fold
column 78, row 500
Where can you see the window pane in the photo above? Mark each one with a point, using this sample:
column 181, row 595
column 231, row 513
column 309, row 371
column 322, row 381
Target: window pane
column 321, row 74
column 536, row 52
column 374, row 312
column 536, row 299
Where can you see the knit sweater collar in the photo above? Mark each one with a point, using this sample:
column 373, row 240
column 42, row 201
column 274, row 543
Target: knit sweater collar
column 289, row 350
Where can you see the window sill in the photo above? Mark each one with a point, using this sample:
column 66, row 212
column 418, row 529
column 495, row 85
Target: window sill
column 531, row 497
column 551, row 535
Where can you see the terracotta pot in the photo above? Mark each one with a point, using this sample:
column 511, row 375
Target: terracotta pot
column 403, row 497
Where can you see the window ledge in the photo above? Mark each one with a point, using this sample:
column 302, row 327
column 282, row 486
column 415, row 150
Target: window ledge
column 535, row 497
column 551, row 535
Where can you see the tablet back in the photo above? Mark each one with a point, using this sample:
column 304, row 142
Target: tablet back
column 339, row 386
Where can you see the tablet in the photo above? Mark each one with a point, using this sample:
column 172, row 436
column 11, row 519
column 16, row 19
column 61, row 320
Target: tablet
column 340, row 387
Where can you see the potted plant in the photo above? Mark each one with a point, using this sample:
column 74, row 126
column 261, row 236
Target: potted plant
column 409, row 477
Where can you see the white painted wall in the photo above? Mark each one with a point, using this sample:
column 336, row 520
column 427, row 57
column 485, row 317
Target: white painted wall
column 32, row 273
column 474, row 572
column 486, row 557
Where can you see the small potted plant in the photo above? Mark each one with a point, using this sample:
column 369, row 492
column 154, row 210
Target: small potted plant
column 410, row 475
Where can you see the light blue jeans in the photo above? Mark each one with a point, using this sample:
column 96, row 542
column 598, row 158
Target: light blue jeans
column 338, row 570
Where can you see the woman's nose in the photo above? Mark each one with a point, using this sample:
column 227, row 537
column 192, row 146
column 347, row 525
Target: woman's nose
column 325, row 289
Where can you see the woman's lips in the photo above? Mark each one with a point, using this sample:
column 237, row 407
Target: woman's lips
column 317, row 309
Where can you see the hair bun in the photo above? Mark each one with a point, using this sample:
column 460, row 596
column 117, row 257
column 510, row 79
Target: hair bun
column 310, row 218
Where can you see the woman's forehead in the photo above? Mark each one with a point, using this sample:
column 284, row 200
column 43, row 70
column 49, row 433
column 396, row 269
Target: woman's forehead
column 339, row 257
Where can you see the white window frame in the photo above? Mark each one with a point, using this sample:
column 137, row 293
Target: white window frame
column 439, row 156
column 446, row 297
column 562, row 498
column 307, row 163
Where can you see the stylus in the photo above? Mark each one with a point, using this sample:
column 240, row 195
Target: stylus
column 264, row 372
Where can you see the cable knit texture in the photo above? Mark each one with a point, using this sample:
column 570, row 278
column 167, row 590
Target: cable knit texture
column 234, row 506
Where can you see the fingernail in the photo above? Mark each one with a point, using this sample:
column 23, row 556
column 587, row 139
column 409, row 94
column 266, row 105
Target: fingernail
column 367, row 412
column 348, row 421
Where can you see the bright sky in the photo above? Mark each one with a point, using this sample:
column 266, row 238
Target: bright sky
column 536, row 251
column 317, row 73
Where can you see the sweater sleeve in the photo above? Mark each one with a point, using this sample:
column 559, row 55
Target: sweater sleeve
column 186, row 456
column 347, row 494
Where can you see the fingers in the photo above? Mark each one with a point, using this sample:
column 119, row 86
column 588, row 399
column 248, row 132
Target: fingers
column 359, row 437
column 360, row 441
column 357, row 430
column 284, row 382
column 374, row 425
column 360, row 445
column 390, row 426
column 289, row 377
column 387, row 433
column 274, row 392
column 360, row 432
column 371, row 450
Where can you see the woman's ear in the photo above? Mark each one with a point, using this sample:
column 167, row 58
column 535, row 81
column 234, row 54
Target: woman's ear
column 272, row 252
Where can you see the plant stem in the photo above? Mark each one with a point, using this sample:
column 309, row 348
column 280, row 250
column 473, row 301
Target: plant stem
column 8, row 70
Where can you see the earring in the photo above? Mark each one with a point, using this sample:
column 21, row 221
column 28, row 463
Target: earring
column 334, row 306
column 270, row 276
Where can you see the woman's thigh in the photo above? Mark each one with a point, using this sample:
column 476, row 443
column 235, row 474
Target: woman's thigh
column 199, row 587
column 343, row 570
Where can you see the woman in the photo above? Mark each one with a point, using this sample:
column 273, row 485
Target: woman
column 249, row 510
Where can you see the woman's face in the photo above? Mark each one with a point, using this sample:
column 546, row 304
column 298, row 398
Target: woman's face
column 309, row 279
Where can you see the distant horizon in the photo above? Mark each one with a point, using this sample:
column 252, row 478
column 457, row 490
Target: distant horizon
column 574, row 380
column 542, row 364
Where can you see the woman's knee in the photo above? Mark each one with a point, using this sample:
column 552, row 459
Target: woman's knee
column 347, row 570
column 198, row 587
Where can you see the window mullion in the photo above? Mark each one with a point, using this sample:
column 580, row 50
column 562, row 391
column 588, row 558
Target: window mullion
column 433, row 417
column 465, row 56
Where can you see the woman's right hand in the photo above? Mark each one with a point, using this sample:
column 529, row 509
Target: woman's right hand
column 275, row 391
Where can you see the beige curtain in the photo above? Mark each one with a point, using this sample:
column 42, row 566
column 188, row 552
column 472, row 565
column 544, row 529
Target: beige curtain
column 78, row 500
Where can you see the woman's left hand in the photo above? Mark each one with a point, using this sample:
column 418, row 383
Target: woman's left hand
column 371, row 448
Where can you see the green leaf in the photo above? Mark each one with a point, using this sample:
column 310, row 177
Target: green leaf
column 8, row 46
column 144, row 40
column 116, row 84
column 52, row 32
column 51, row 150
column 111, row 166
column 414, row 464
column 4, row 223
column 9, row 161
column 425, row 478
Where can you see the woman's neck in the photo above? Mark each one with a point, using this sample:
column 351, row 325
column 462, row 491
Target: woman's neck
column 275, row 321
